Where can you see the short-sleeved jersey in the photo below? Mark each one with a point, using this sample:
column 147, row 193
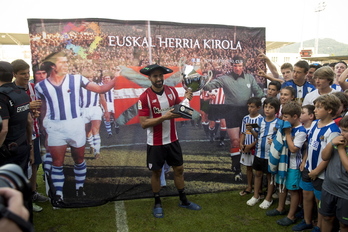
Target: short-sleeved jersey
column 299, row 137
column 155, row 105
column 63, row 101
column 249, row 138
column 337, row 87
column 318, row 138
column 266, row 131
column 109, row 96
column 88, row 98
column 300, row 91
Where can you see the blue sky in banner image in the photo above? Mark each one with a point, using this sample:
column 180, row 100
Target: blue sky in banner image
column 290, row 21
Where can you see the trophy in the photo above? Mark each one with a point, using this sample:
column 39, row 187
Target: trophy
column 194, row 80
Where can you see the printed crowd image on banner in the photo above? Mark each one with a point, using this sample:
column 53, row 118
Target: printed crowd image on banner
column 87, row 77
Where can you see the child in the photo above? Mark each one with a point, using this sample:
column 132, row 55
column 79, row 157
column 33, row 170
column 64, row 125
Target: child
column 307, row 116
column 322, row 131
column 342, row 110
column 248, row 141
column 295, row 138
column 266, row 131
column 287, row 94
column 334, row 198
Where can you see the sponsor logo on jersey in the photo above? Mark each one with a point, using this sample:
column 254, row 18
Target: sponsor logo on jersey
column 140, row 106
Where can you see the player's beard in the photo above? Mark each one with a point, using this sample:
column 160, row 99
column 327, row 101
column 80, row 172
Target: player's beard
column 158, row 84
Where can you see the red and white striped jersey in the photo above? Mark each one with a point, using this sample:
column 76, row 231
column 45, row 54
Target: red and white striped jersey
column 154, row 105
column 217, row 96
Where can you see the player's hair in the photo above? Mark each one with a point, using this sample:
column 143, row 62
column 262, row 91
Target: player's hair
column 19, row 64
column 273, row 101
column 276, row 84
column 52, row 58
column 255, row 100
column 6, row 72
column 315, row 65
column 325, row 73
column 287, row 65
column 292, row 108
column 310, row 109
column 342, row 62
column 302, row 64
column 329, row 102
column 291, row 89
column 344, row 122
column 343, row 98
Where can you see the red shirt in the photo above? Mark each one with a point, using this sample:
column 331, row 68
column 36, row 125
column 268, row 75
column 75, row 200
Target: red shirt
column 154, row 105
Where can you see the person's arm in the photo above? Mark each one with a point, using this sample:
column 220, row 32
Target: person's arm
column 328, row 150
column 14, row 200
column 319, row 169
column 262, row 73
column 290, row 142
column 146, row 121
column 94, row 87
column 4, row 131
column 342, row 80
column 343, row 156
column 214, row 84
column 241, row 141
column 272, row 68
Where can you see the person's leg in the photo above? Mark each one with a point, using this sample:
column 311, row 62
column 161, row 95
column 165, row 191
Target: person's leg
column 233, row 134
column 295, row 197
column 80, row 169
column 327, row 223
column 96, row 137
column 250, row 176
column 156, row 186
column 57, row 174
column 257, row 183
column 281, row 201
column 179, row 183
column 308, row 203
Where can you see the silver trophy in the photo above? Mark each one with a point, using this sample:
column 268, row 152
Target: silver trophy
column 194, row 79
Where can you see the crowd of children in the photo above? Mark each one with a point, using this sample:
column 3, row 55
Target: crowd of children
column 315, row 144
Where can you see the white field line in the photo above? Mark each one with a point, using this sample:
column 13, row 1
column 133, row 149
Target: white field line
column 121, row 217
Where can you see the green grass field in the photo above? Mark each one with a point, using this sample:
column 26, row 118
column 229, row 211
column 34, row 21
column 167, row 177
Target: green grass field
column 225, row 211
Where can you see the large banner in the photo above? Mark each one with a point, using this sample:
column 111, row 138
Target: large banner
column 111, row 162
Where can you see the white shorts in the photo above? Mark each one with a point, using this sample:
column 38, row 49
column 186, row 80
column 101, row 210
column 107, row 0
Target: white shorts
column 111, row 107
column 63, row 132
column 247, row 159
column 92, row 113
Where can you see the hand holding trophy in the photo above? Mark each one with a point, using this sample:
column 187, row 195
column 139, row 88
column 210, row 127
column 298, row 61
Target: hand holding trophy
column 193, row 79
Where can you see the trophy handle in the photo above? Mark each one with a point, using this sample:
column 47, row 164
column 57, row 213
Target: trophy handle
column 181, row 63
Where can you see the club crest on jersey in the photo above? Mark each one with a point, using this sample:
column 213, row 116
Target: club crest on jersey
column 140, row 106
column 69, row 91
column 150, row 165
column 170, row 96
column 248, row 85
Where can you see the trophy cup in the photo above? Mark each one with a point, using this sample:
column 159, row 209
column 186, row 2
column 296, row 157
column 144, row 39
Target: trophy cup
column 194, row 80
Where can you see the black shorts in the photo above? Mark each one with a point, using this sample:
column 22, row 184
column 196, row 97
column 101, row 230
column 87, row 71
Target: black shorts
column 204, row 105
column 157, row 155
column 216, row 112
column 234, row 115
column 260, row 164
column 331, row 205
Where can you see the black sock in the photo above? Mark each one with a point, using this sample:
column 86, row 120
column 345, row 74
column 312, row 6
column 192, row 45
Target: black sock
column 158, row 202
column 182, row 196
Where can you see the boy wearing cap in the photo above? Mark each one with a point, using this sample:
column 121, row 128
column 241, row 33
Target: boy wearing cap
column 155, row 115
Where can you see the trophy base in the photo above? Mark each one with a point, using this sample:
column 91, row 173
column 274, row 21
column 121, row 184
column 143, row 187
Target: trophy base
column 184, row 111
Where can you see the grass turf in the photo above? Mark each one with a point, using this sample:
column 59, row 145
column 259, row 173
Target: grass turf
column 224, row 211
